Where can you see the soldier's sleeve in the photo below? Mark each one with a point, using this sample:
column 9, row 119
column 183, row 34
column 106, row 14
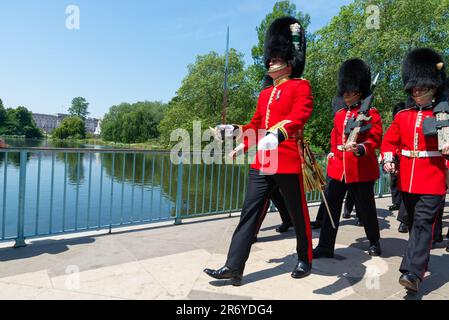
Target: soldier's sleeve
column 374, row 135
column 391, row 142
column 300, row 112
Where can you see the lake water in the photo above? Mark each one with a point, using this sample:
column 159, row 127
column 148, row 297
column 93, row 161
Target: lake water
column 76, row 191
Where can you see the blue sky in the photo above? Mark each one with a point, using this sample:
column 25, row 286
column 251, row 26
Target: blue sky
column 124, row 51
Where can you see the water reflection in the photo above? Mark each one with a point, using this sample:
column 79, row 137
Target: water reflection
column 150, row 177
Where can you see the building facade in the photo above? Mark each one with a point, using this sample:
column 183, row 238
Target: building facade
column 48, row 122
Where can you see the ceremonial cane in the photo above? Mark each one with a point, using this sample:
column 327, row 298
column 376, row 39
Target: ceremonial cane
column 316, row 175
column 328, row 210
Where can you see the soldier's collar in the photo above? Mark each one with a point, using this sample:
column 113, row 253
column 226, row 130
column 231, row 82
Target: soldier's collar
column 427, row 106
column 355, row 105
column 412, row 104
column 281, row 80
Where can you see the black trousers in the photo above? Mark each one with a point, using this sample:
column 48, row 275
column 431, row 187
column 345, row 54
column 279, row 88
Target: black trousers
column 363, row 195
column 258, row 190
column 279, row 202
column 396, row 198
column 402, row 215
column 437, row 230
column 349, row 204
column 422, row 211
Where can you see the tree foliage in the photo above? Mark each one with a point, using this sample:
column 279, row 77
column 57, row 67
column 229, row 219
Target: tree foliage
column 79, row 108
column 132, row 123
column 2, row 114
column 404, row 24
column 18, row 122
column 71, row 128
column 200, row 97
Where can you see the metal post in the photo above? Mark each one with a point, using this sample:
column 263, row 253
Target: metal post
column 178, row 219
column 20, row 240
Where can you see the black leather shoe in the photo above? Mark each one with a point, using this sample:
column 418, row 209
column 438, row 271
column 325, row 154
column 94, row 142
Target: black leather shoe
column 393, row 207
column 375, row 250
column 358, row 222
column 346, row 214
column 320, row 252
column 410, row 281
column 283, row 227
column 301, row 270
column 403, row 228
column 226, row 274
column 316, row 224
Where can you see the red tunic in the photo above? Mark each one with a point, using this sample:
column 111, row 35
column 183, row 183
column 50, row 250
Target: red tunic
column 416, row 175
column 346, row 165
column 286, row 107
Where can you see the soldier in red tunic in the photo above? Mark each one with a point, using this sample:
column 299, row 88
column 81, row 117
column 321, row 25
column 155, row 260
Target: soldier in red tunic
column 354, row 166
column 283, row 109
column 422, row 169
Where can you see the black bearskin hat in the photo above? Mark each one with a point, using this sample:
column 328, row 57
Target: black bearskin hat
column 423, row 67
column 286, row 39
column 354, row 75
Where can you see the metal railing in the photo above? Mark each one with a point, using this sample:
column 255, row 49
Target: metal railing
column 50, row 191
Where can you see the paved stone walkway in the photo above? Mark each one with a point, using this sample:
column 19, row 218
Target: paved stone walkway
column 166, row 262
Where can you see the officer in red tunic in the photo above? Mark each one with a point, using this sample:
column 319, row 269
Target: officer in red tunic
column 282, row 111
column 422, row 169
column 354, row 166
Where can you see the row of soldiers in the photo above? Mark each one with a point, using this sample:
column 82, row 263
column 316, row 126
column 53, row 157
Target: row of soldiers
column 410, row 152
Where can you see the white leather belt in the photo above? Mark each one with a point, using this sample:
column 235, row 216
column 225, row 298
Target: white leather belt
column 421, row 154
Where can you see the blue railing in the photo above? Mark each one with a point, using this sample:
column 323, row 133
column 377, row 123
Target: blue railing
column 49, row 191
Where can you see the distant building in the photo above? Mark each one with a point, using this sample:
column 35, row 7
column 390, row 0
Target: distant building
column 48, row 122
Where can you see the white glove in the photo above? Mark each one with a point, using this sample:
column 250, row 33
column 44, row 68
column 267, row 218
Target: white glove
column 269, row 142
column 330, row 155
column 223, row 130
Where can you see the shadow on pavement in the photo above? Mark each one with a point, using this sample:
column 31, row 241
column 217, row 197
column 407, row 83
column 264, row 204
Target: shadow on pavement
column 42, row 247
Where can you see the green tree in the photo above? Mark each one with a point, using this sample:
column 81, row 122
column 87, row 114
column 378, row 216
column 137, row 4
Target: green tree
column 70, row 128
column 19, row 122
column 404, row 24
column 280, row 9
column 132, row 123
column 200, row 97
column 2, row 114
column 79, row 108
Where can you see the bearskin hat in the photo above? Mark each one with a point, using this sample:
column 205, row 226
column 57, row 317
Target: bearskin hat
column 286, row 39
column 424, row 67
column 354, row 75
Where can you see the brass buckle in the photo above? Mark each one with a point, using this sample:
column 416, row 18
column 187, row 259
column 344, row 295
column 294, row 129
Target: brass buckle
column 414, row 154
